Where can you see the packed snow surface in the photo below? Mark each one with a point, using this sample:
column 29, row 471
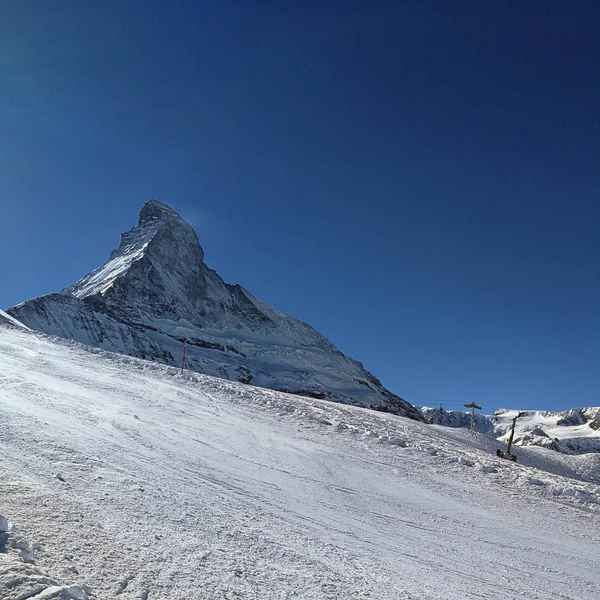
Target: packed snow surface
column 138, row 482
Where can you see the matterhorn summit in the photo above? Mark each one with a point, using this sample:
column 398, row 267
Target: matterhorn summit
column 155, row 290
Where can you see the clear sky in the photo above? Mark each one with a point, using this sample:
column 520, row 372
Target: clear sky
column 420, row 181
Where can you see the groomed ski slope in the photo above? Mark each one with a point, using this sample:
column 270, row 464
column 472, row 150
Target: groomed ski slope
column 184, row 487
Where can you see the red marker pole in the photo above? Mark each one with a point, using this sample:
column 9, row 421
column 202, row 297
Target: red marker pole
column 183, row 358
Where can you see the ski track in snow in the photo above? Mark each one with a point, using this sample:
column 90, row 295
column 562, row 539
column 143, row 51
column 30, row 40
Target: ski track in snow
column 180, row 487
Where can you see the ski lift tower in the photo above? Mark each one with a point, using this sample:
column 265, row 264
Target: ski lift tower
column 508, row 453
column 512, row 431
column 472, row 406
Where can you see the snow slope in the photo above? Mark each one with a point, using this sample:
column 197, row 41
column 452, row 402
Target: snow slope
column 155, row 290
column 143, row 483
column 573, row 431
column 6, row 319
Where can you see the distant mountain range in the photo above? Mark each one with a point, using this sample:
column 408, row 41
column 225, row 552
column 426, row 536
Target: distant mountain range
column 155, row 291
column 574, row 431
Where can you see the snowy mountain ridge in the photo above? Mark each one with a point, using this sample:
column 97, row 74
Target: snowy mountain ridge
column 155, row 290
column 573, row 431
column 6, row 319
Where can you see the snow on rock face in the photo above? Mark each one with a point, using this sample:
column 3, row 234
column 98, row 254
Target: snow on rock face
column 155, row 290
column 579, row 416
column 574, row 431
column 6, row 319
column 456, row 418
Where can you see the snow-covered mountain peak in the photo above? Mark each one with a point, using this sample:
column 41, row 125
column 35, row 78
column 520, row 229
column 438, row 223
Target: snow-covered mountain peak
column 169, row 242
column 162, row 217
column 158, row 211
column 155, row 290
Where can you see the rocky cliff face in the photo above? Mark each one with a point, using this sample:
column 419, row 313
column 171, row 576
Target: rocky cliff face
column 155, row 290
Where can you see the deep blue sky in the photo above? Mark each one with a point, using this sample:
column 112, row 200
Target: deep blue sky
column 420, row 181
